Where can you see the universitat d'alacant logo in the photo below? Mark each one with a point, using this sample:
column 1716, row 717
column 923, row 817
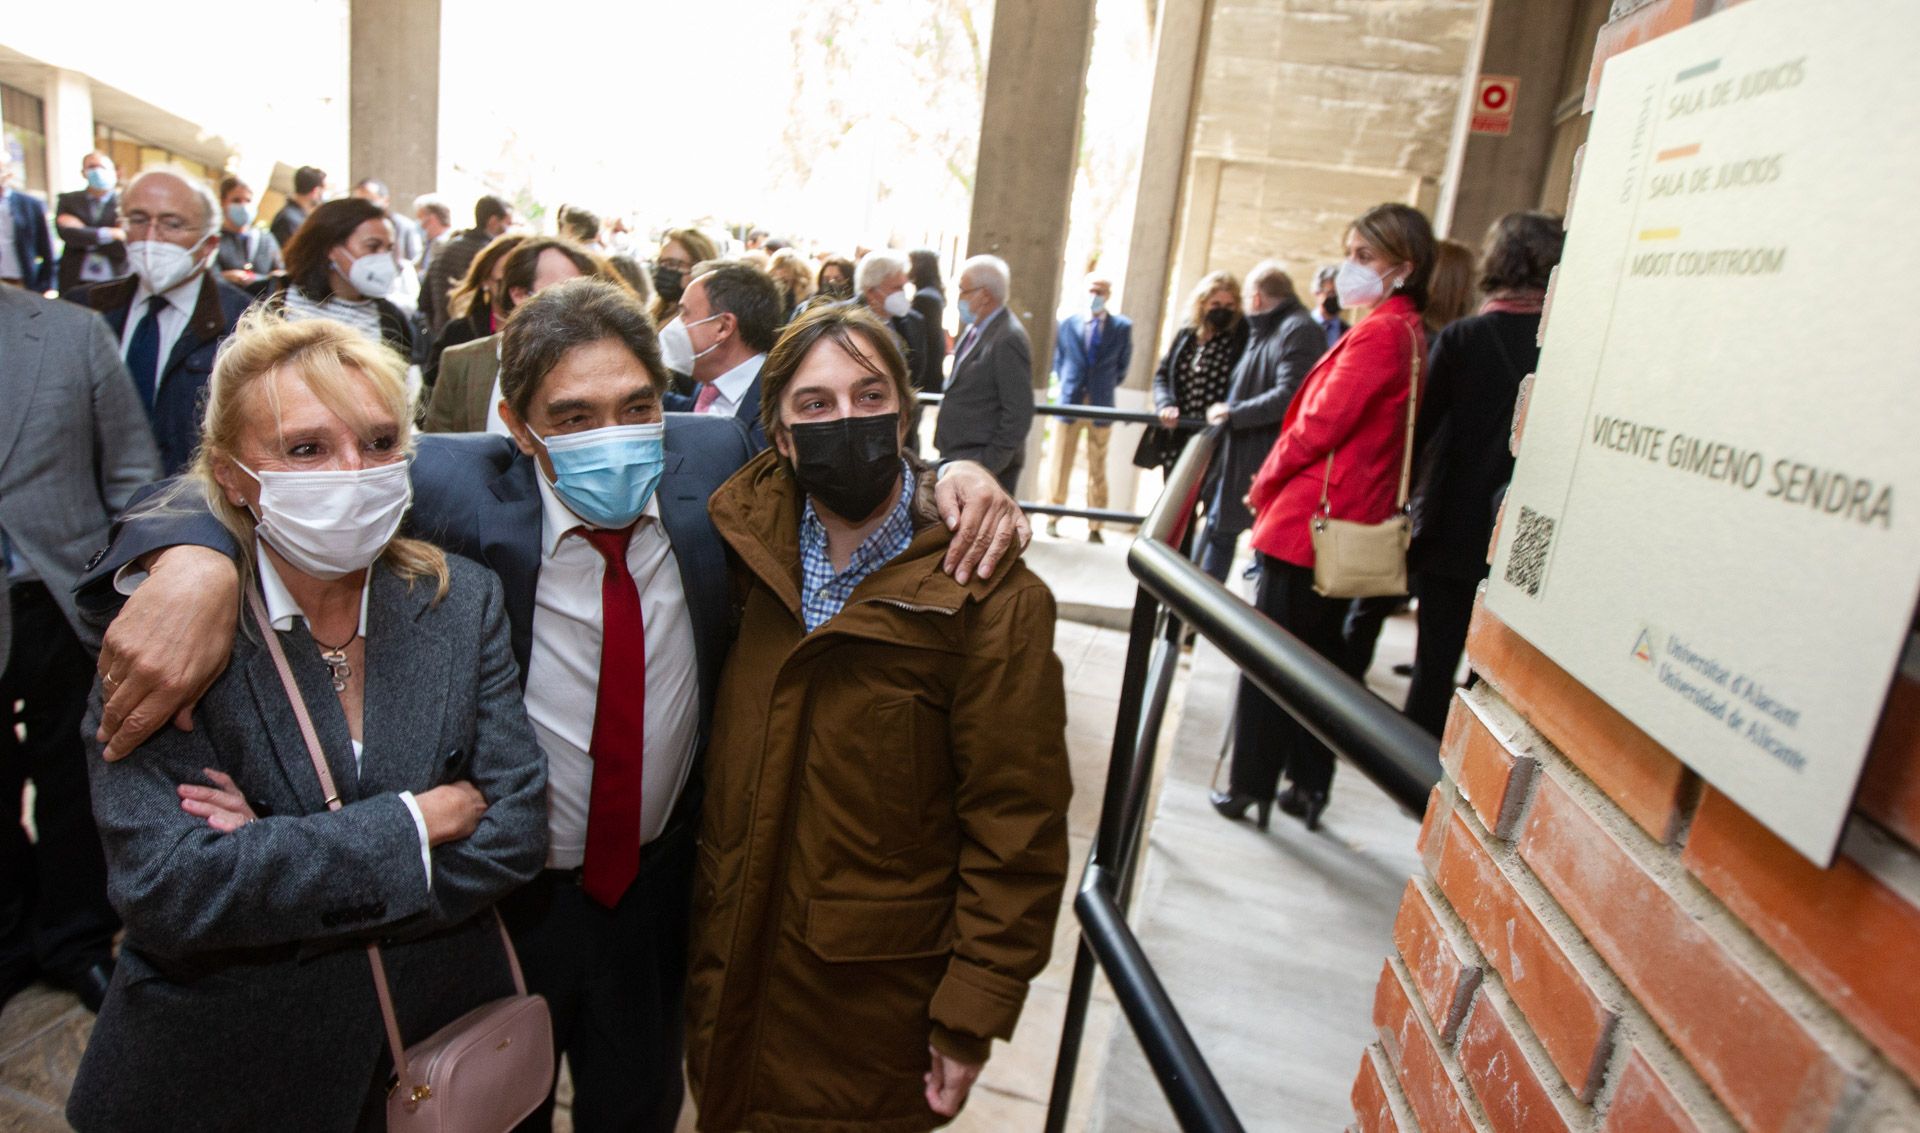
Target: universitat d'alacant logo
column 1643, row 647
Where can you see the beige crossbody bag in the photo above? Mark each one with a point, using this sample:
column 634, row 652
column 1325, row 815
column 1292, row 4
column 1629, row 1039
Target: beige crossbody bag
column 1367, row 560
column 487, row 1069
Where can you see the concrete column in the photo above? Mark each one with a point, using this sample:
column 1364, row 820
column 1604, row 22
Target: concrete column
column 1029, row 149
column 1488, row 175
column 69, row 102
column 393, row 128
column 1179, row 54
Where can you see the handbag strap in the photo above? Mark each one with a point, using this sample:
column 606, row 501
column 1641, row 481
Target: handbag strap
column 325, row 774
column 1406, row 462
column 1413, row 408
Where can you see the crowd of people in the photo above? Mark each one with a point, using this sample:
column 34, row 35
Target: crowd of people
column 668, row 677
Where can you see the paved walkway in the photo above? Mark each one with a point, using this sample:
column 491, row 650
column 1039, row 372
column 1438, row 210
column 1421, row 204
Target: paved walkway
column 1269, row 943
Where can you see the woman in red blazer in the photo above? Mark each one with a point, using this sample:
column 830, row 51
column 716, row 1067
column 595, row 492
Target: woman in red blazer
column 1354, row 406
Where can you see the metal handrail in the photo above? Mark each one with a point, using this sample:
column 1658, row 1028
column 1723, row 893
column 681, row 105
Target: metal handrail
column 1105, row 413
column 1385, row 746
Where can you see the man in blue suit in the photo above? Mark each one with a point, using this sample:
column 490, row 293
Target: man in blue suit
column 1090, row 356
column 26, row 247
column 171, row 315
column 605, row 574
column 729, row 316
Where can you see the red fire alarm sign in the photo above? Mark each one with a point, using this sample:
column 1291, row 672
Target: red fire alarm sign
column 1493, row 104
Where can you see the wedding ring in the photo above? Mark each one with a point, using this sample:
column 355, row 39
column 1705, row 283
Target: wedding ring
column 107, row 682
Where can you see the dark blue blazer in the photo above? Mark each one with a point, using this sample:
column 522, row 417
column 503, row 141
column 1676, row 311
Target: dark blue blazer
column 748, row 414
column 1091, row 381
column 31, row 240
column 475, row 495
column 176, row 411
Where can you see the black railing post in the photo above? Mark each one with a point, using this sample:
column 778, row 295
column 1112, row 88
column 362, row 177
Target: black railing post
column 1384, row 745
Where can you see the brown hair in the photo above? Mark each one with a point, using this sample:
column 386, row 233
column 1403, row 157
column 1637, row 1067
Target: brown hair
column 700, row 248
column 523, row 263
column 1450, row 295
column 325, row 229
column 473, row 285
column 845, row 326
column 334, row 361
column 1402, row 233
column 841, row 264
column 1521, row 251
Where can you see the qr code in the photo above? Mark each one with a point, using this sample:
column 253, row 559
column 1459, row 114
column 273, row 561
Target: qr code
column 1527, row 560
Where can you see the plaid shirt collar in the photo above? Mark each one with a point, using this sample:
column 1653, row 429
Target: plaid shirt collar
column 823, row 593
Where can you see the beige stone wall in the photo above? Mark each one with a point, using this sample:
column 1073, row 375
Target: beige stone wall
column 1311, row 111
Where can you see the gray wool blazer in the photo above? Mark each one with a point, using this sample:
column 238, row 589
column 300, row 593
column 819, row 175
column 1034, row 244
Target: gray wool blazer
column 74, row 440
column 243, row 998
column 988, row 406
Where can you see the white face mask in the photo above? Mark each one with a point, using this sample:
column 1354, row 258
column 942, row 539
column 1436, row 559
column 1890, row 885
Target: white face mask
column 160, row 265
column 330, row 524
column 373, row 275
column 676, row 345
column 898, row 304
column 1358, row 286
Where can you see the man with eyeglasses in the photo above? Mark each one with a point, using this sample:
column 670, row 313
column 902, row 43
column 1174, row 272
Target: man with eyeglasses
column 171, row 315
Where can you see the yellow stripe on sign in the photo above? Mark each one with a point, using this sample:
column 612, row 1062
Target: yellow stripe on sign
column 1659, row 234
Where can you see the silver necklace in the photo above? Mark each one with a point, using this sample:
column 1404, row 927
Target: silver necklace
column 336, row 658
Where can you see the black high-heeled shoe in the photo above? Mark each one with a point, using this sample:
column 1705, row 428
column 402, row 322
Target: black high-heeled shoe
column 1307, row 806
column 1233, row 806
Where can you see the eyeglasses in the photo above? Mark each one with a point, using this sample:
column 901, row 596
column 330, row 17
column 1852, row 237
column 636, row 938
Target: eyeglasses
column 169, row 225
column 678, row 265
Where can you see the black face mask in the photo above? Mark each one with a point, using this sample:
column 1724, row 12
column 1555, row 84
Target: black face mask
column 839, row 289
column 1331, row 305
column 669, row 283
column 1220, row 318
column 849, row 466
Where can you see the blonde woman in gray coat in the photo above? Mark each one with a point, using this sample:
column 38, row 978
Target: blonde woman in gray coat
column 244, row 998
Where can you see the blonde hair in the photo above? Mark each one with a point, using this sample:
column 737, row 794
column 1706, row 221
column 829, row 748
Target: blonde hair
column 1211, row 282
column 336, row 363
column 791, row 269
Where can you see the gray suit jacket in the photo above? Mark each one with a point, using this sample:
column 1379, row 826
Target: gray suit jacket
column 989, row 403
column 74, row 440
column 243, row 1000
column 464, row 391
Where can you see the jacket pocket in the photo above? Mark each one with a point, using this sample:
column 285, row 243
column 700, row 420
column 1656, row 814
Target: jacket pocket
column 849, row 930
column 866, row 781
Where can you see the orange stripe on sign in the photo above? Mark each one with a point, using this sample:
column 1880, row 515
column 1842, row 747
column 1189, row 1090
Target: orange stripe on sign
column 1678, row 152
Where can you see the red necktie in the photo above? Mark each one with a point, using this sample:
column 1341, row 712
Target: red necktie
column 709, row 393
column 618, row 746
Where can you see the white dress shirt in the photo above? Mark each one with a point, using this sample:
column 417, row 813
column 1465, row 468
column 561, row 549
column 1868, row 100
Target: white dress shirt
column 281, row 610
column 733, row 386
column 563, row 674
column 180, row 301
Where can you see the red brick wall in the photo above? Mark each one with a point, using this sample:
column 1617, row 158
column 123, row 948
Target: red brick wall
column 1600, row 942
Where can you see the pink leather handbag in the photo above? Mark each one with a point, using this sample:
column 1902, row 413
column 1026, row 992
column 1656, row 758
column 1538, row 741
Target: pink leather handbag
column 484, row 1071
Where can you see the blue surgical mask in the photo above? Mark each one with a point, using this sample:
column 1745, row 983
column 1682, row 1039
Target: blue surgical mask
column 607, row 475
column 98, row 180
column 1096, row 303
column 241, row 215
column 966, row 312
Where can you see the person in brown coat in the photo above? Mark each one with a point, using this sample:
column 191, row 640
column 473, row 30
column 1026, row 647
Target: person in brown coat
column 884, row 842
